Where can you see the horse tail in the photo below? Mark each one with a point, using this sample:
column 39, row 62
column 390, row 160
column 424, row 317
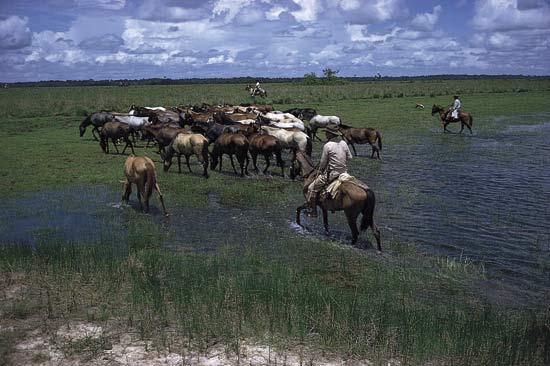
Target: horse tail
column 368, row 210
column 150, row 182
column 379, row 140
column 205, row 157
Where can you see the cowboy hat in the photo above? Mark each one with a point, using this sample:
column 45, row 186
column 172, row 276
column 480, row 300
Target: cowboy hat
column 333, row 129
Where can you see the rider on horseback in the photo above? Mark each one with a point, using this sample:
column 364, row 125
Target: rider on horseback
column 452, row 114
column 334, row 159
column 258, row 89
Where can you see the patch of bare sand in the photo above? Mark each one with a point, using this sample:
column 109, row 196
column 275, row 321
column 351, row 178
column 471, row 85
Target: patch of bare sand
column 84, row 344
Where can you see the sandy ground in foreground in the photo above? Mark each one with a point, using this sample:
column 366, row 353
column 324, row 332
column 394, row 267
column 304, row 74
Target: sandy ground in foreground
column 84, row 343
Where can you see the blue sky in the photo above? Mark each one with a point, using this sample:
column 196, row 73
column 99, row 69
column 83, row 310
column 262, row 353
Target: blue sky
column 116, row 39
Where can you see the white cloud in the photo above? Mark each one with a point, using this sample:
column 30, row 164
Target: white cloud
column 308, row 10
column 356, row 32
column 368, row 12
column 14, row 33
column 275, row 12
column 427, row 21
column 230, row 8
column 103, row 4
column 504, row 15
column 221, row 59
column 55, row 47
column 363, row 60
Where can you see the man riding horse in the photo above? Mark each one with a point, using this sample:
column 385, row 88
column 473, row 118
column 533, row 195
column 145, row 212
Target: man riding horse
column 334, row 159
column 453, row 112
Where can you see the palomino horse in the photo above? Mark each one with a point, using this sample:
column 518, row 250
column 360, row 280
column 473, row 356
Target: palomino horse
column 187, row 144
column 293, row 140
column 140, row 170
column 354, row 136
column 97, row 119
column 254, row 92
column 352, row 199
column 465, row 118
column 320, row 121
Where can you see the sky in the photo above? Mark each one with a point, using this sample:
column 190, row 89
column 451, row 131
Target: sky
column 136, row 39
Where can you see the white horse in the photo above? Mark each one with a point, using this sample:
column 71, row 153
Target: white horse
column 132, row 110
column 136, row 123
column 319, row 121
column 293, row 140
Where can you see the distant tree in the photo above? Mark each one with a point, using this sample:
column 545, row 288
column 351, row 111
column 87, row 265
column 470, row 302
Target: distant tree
column 310, row 78
column 330, row 73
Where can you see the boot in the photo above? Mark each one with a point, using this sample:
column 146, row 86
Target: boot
column 312, row 204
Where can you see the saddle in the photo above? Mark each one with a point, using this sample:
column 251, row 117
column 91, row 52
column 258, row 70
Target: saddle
column 333, row 189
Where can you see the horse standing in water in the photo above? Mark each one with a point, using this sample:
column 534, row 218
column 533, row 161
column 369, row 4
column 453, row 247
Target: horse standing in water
column 465, row 118
column 352, row 199
column 354, row 136
column 140, row 170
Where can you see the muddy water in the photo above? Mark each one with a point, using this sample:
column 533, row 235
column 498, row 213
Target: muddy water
column 483, row 198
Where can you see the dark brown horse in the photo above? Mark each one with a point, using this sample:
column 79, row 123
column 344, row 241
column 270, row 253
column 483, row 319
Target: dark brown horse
column 267, row 146
column 354, row 136
column 352, row 199
column 163, row 134
column 465, row 118
column 140, row 170
column 231, row 144
column 115, row 130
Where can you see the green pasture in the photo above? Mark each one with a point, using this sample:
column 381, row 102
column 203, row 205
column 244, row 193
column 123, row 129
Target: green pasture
column 269, row 286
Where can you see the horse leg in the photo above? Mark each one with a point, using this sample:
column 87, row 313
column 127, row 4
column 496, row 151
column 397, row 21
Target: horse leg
column 461, row 126
column 299, row 211
column 267, row 164
column 179, row 163
column 187, row 162
column 254, row 160
column 114, row 143
column 353, row 226
column 445, row 127
column 233, row 164
column 94, row 130
column 280, row 163
column 126, row 191
column 353, row 147
column 325, row 220
column 161, row 199
column 469, row 128
column 376, row 233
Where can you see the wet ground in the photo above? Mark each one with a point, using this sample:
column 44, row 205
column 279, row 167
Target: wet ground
column 483, row 198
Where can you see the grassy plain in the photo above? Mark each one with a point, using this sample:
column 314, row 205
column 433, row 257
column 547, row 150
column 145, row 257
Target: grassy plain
column 267, row 285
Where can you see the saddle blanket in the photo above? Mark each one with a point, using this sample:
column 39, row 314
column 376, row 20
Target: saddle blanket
column 333, row 187
column 454, row 114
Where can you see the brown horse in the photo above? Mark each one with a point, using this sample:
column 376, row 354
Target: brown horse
column 115, row 130
column 354, row 136
column 231, row 144
column 267, row 146
column 352, row 199
column 187, row 144
column 140, row 170
column 465, row 118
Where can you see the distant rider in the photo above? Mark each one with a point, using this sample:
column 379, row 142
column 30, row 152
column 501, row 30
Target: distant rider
column 258, row 89
column 333, row 163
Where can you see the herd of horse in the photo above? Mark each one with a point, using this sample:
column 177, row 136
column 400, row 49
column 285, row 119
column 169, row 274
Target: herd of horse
column 209, row 132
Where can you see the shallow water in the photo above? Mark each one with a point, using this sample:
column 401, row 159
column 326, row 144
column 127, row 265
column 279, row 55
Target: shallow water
column 483, row 197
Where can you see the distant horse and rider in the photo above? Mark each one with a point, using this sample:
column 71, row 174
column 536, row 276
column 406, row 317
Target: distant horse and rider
column 256, row 90
column 453, row 114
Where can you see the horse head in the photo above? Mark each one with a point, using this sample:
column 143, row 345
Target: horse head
column 82, row 128
column 436, row 108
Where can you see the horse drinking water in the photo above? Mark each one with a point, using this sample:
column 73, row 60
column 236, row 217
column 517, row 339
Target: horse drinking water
column 352, row 198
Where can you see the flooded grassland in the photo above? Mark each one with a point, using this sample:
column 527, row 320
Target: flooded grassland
column 463, row 277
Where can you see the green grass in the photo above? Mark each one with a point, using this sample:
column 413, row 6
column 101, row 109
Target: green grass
column 269, row 285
